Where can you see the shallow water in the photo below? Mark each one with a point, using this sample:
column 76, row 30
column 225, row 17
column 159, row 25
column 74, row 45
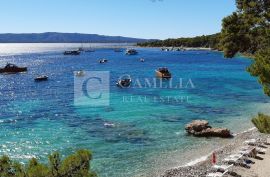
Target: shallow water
column 128, row 138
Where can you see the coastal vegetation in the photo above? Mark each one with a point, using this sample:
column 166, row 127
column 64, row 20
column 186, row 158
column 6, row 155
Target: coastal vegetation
column 262, row 122
column 207, row 41
column 75, row 165
column 248, row 31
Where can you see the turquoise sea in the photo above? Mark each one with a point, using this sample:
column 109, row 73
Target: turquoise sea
column 139, row 137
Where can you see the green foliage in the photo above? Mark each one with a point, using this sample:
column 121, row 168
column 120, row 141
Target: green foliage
column 262, row 122
column 261, row 68
column 210, row 41
column 76, row 165
column 248, row 31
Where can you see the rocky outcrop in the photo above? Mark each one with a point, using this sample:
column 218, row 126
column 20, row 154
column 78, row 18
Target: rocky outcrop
column 201, row 128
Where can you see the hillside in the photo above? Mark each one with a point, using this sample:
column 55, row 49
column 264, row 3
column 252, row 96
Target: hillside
column 53, row 37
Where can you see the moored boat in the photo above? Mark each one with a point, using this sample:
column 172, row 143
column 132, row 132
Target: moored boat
column 81, row 49
column 72, row 52
column 163, row 72
column 103, row 61
column 131, row 52
column 80, row 73
column 124, row 82
column 11, row 68
column 89, row 50
column 41, row 78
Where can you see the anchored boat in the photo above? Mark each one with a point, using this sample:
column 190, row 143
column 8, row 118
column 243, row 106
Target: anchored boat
column 41, row 78
column 103, row 61
column 11, row 68
column 131, row 52
column 163, row 73
column 124, row 82
column 72, row 52
column 80, row 73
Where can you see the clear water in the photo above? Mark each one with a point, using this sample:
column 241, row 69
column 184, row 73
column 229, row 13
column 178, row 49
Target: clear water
column 148, row 137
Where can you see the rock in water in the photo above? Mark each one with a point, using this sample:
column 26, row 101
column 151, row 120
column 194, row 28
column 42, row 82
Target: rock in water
column 197, row 126
column 201, row 128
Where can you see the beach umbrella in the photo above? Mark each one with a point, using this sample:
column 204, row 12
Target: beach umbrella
column 214, row 158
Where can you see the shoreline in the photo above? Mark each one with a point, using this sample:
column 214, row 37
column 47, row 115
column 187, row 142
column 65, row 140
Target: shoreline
column 202, row 165
column 186, row 48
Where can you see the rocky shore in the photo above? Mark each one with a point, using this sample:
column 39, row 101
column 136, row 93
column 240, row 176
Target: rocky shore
column 203, row 129
column 204, row 167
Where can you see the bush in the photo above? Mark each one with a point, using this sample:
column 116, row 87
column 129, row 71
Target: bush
column 76, row 165
column 262, row 122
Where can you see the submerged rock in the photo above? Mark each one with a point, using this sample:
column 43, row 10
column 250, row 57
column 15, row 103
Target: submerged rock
column 201, row 128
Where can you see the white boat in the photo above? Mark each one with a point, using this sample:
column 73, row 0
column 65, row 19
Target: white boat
column 131, row 52
column 41, row 78
column 80, row 73
column 103, row 61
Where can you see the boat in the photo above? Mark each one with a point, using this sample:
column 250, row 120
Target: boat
column 163, row 72
column 11, row 68
column 72, row 52
column 80, row 49
column 80, row 73
column 41, row 78
column 103, row 61
column 89, row 50
column 131, row 52
column 141, row 60
column 124, row 82
column 165, row 49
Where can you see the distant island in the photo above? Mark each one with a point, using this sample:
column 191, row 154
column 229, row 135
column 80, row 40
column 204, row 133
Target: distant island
column 54, row 37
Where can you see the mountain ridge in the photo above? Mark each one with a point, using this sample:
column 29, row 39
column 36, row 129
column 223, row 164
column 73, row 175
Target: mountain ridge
column 57, row 37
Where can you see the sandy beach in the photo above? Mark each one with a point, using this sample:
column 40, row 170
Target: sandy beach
column 260, row 168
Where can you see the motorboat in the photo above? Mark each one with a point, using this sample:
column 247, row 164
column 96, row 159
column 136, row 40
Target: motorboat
column 163, row 72
column 11, row 68
column 165, row 49
column 72, row 52
column 131, row 52
column 124, row 82
column 81, row 49
column 103, row 61
column 80, row 73
column 41, row 78
column 89, row 50
column 141, row 60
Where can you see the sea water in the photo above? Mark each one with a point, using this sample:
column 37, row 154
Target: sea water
column 141, row 131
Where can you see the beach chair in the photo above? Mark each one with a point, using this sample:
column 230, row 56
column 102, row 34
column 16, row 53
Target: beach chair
column 236, row 159
column 254, row 142
column 231, row 160
column 222, row 167
column 260, row 150
column 217, row 174
column 248, row 151
column 267, row 141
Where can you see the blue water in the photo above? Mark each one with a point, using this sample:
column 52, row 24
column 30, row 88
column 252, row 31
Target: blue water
column 147, row 136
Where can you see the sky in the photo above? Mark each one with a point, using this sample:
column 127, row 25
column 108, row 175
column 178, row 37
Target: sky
column 150, row 19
